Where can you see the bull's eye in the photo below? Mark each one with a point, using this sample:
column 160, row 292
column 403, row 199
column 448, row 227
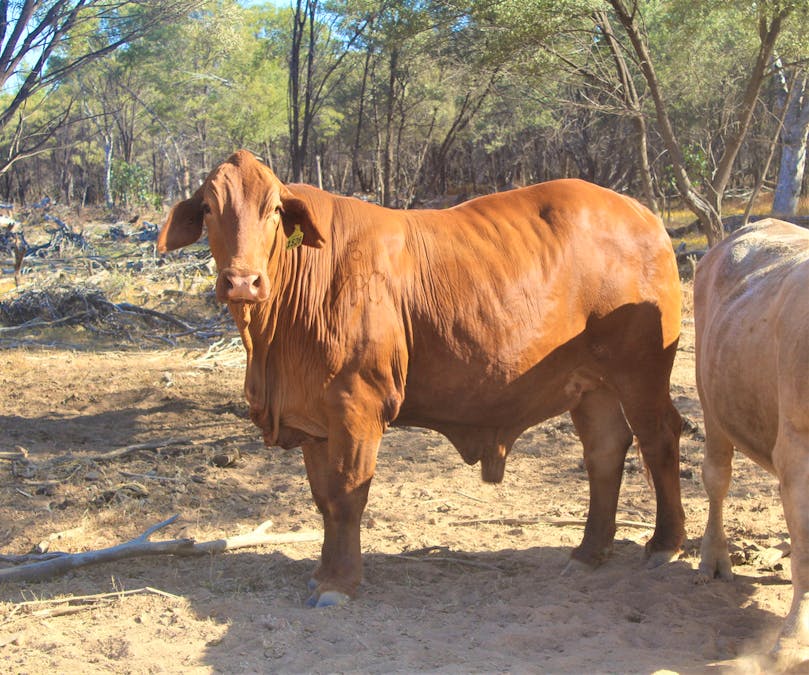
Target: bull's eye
column 206, row 208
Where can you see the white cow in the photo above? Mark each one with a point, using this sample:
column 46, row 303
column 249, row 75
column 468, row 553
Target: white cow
column 751, row 310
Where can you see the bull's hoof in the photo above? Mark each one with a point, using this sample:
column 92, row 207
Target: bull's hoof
column 658, row 558
column 575, row 566
column 327, row 599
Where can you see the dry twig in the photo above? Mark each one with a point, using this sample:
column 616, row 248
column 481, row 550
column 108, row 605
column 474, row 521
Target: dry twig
column 72, row 604
column 556, row 522
column 449, row 559
column 17, row 453
column 129, row 449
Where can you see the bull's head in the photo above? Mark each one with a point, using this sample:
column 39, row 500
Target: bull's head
column 249, row 214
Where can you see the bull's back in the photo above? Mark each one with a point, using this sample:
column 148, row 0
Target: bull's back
column 508, row 282
column 752, row 338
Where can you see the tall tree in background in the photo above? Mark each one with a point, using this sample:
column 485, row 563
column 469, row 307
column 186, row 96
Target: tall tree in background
column 707, row 205
column 321, row 40
column 408, row 99
column 793, row 144
column 41, row 42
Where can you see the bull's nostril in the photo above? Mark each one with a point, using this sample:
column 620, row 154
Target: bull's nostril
column 228, row 283
column 257, row 282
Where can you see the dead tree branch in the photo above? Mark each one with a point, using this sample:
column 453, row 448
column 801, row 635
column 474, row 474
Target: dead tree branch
column 129, row 449
column 142, row 546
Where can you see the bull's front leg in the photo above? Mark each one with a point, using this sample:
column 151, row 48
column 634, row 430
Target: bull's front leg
column 340, row 472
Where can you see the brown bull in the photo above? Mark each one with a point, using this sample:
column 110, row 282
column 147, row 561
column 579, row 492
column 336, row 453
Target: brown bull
column 477, row 321
column 751, row 314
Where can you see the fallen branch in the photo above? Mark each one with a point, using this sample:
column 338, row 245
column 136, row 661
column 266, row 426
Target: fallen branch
column 558, row 522
column 24, row 558
column 40, row 323
column 11, row 455
column 141, row 546
column 144, row 311
column 94, row 597
column 472, row 497
column 149, row 476
column 619, row 523
column 129, row 449
column 72, row 604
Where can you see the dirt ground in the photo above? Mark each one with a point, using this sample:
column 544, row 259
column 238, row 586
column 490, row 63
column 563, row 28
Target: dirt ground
column 459, row 576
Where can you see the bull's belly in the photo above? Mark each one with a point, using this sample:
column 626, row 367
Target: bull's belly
column 483, row 421
column 498, row 404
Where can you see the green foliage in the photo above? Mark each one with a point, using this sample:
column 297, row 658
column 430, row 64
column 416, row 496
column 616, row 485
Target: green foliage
column 476, row 87
column 131, row 185
column 697, row 165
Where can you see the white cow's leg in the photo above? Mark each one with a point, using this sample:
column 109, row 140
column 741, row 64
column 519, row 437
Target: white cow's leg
column 716, row 473
column 791, row 461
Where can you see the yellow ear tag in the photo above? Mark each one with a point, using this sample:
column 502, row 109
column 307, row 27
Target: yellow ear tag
column 295, row 239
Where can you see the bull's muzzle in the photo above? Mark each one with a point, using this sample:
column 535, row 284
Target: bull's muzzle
column 241, row 286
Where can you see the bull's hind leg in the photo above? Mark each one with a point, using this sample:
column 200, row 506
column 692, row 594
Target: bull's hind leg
column 716, row 473
column 643, row 387
column 629, row 346
column 791, row 462
column 657, row 424
column 605, row 437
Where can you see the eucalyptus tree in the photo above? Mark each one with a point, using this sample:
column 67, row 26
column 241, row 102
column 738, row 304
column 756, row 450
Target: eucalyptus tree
column 322, row 37
column 792, row 83
column 252, row 110
column 193, row 87
column 793, row 144
column 570, row 88
column 765, row 21
column 421, row 77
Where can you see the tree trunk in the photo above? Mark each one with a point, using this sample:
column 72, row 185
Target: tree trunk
column 355, row 151
column 793, row 153
column 645, row 168
column 768, row 35
column 387, row 157
column 108, row 170
column 709, row 219
column 309, row 89
column 295, row 150
column 785, row 106
column 633, row 103
column 707, row 209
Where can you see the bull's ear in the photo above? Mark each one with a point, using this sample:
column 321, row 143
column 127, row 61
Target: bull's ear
column 183, row 226
column 295, row 212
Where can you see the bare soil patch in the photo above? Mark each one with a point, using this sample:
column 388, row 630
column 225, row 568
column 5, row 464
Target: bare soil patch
column 459, row 576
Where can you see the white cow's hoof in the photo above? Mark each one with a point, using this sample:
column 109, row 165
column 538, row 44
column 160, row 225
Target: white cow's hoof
column 789, row 655
column 708, row 572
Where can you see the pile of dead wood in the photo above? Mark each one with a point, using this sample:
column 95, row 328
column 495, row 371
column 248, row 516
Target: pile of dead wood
column 90, row 308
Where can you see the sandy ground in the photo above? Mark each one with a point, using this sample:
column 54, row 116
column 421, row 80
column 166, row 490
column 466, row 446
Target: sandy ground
column 459, row 576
